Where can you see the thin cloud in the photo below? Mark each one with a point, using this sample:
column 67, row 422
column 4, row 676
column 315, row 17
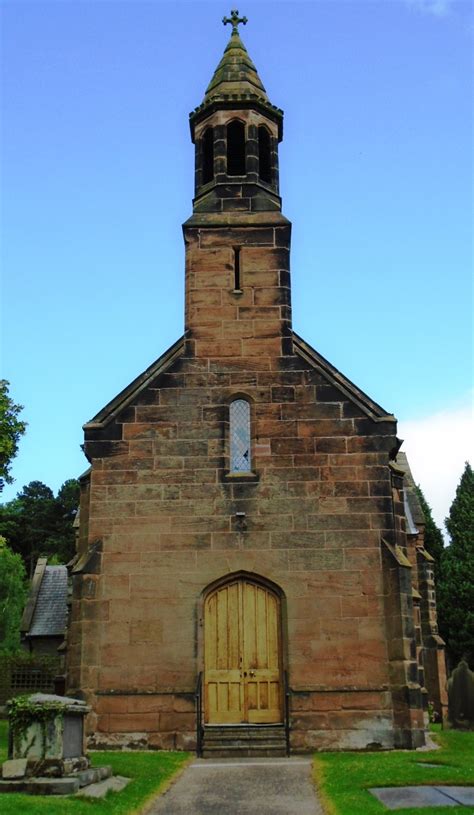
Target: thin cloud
column 436, row 8
column 437, row 447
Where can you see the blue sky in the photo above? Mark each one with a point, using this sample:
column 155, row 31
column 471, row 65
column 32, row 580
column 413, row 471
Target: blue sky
column 376, row 176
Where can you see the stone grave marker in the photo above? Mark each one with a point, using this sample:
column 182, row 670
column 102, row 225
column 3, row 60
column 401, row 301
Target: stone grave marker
column 46, row 746
column 461, row 697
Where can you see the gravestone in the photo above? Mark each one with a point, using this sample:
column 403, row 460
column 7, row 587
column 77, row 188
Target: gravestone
column 46, row 746
column 461, row 697
column 48, row 731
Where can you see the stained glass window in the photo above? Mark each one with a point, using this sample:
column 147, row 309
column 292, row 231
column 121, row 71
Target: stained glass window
column 239, row 436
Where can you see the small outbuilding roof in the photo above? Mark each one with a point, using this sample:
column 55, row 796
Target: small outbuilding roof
column 45, row 614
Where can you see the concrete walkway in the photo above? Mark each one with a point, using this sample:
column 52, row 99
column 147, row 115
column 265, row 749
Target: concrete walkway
column 246, row 786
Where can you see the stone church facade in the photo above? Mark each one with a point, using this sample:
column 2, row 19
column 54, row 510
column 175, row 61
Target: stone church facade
column 243, row 557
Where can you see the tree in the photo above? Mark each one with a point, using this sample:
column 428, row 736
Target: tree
column 460, row 522
column 67, row 502
column 433, row 536
column 456, row 580
column 68, row 498
column 12, row 597
column 37, row 524
column 11, row 428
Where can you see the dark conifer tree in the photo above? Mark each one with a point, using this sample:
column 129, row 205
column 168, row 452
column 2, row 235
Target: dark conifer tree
column 37, row 524
column 433, row 536
column 456, row 578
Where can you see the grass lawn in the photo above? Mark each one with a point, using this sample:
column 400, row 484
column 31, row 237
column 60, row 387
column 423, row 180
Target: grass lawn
column 343, row 778
column 149, row 773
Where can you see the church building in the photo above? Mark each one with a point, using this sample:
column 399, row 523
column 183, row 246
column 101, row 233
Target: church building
column 250, row 578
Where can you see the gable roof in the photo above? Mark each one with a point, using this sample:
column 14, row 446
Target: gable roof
column 341, row 382
column 300, row 347
column 125, row 397
column 45, row 613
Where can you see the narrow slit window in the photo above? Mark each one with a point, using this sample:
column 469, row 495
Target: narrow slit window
column 208, row 155
column 264, row 154
column 237, row 286
column 236, row 148
column 239, row 436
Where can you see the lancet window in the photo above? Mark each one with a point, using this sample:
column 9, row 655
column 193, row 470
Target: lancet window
column 239, row 419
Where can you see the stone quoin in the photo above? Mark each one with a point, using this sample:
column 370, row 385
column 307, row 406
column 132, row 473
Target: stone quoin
column 250, row 575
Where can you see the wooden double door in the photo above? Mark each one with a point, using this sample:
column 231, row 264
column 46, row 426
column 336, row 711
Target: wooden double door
column 242, row 655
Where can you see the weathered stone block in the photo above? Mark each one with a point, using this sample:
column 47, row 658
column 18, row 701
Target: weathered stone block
column 15, row 768
column 237, row 237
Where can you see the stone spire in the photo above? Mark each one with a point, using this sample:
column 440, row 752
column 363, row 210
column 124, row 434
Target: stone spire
column 236, row 131
column 236, row 74
column 235, row 82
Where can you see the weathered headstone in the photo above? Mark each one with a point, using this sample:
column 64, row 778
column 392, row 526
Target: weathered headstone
column 461, row 697
column 48, row 731
column 46, row 746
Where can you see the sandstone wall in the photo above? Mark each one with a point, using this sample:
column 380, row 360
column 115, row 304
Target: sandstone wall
column 166, row 512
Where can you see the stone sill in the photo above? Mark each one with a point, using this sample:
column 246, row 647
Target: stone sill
column 241, row 477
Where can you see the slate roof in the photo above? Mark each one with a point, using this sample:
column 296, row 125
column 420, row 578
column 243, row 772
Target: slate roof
column 412, row 528
column 50, row 614
column 413, row 511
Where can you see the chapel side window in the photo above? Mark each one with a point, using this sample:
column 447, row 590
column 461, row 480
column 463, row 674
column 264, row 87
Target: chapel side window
column 239, row 419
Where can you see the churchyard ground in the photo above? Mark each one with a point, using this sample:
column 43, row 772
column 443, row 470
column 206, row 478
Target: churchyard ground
column 343, row 779
column 150, row 772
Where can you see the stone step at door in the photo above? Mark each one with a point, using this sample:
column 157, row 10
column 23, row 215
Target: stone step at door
column 244, row 741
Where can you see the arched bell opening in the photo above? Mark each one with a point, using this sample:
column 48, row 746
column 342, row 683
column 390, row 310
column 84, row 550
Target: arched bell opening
column 264, row 154
column 207, row 148
column 235, row 148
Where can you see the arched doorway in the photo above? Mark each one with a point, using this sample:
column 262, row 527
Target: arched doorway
column 242, row 654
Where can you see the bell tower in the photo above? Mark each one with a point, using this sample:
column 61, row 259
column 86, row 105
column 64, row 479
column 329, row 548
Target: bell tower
column 237, row 241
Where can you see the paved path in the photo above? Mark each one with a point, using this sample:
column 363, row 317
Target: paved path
column 243, row 786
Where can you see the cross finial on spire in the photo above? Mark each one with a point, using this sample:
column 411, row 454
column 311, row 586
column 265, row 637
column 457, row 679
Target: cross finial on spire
column 234, row 20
